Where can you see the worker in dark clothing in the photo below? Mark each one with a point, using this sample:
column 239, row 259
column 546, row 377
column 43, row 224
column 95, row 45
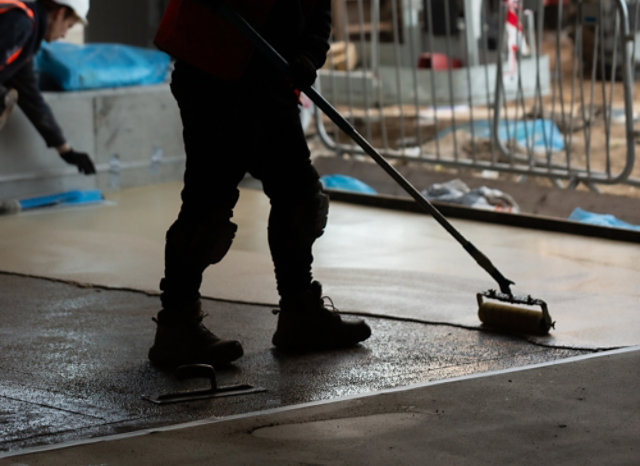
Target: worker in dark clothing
column 241, row 116
column 23, row 27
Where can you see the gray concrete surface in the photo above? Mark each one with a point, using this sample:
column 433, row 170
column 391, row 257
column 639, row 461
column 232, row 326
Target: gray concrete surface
column 73, row 362
column 370, row 260
column 586, row 411
column 73, row 349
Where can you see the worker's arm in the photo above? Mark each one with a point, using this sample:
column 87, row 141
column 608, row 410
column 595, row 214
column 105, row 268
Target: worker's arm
column 39, row 113
column 314, row 45
column 34, row 107
column 16, row 30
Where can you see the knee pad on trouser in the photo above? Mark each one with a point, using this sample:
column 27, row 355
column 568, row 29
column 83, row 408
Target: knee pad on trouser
column 198, row 246
column 189, row 250
column 321, row 206
column 302, row 221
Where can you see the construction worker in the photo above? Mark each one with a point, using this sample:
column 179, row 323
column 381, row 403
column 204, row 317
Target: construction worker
column 241, row 116
column 23, row 27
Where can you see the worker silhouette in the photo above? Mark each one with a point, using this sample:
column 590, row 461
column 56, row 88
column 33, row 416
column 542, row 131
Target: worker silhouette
column 23, row 27
column 241, row 116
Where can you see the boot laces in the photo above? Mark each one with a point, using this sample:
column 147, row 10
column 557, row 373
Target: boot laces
column 326, row 304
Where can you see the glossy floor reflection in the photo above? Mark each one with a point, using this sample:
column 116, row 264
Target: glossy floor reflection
column 73, row 362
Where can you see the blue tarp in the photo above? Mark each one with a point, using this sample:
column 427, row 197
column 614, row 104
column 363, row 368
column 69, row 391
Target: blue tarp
column 605, row 220
column 75, row 197
column 72, row 67
column 346, row 183
column 541, row 135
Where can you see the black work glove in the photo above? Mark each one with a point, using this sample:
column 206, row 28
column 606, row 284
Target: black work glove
column 302, row 72
column 80, row 160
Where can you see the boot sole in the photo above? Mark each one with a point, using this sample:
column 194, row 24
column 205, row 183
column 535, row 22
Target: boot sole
column 308, row 345
column 167, row 359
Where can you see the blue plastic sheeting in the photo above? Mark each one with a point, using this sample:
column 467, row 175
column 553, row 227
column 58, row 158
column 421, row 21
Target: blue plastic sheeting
column 539, row 135
column 605, row 220
column 346, row 183
column 74, row 67
column 74, row 197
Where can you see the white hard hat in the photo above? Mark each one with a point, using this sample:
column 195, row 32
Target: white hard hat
column 80, row 8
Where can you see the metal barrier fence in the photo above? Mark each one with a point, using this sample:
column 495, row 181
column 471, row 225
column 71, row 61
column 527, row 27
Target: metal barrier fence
column 527, row 87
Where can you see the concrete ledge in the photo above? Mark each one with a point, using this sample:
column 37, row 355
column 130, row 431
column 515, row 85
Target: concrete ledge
column 133, row 134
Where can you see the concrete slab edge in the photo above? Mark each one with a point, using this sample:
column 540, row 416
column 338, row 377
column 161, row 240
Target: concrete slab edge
column 532, row 339
column 284, row 409
column 521, row 220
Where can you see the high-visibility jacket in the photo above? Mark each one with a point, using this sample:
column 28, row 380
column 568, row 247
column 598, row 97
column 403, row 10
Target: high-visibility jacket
column 22, row 29
column 191, row 32
column 15, row 50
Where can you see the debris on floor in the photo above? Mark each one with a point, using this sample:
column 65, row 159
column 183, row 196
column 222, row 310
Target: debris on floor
column 346, row 183
column 605, row 220
column 457, row 192
column 66, row 198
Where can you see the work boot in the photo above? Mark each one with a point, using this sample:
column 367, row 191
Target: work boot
column 181, row 338
column 9, row 102
column 305, row 324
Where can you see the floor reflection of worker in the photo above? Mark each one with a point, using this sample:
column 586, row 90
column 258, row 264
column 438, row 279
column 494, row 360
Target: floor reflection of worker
column 23, row 27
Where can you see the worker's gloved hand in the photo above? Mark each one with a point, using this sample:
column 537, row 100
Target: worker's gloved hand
column 80, row 160
column 302, row 72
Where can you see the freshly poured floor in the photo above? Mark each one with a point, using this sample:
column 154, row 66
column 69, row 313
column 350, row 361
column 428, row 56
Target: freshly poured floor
column 79, row 287
column 370, row 260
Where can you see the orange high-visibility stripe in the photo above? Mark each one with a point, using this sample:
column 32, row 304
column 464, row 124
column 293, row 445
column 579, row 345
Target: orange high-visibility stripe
column 6, row 5
column 13, row 56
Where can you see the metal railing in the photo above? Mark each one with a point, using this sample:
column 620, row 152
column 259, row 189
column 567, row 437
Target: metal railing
column 487, row 85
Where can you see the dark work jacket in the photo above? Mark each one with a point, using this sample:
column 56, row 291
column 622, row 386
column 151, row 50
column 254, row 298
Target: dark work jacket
column 296, row 27
column 17, row 29
column 192, row 34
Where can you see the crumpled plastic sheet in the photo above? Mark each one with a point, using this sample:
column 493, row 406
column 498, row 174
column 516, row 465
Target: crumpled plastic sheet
column 457, row 192
column 605, row 220
column 346, row 183
column 539, row 135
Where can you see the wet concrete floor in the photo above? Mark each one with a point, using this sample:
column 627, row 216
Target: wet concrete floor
column 78, row 292
column 73, row 362
column 583, row 410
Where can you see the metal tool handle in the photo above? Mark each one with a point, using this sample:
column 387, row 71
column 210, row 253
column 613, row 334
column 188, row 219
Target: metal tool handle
column 281, row 63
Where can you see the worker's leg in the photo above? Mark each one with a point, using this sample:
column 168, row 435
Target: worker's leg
column 203, row 231
column 298, row 216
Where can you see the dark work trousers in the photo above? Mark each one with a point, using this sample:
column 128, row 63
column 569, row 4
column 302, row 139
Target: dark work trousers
column 230, row 129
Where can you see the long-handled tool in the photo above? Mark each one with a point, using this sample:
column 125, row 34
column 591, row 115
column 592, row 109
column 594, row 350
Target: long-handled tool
column 491, row 313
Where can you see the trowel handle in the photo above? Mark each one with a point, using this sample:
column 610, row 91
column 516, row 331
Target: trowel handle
column 196, row 371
